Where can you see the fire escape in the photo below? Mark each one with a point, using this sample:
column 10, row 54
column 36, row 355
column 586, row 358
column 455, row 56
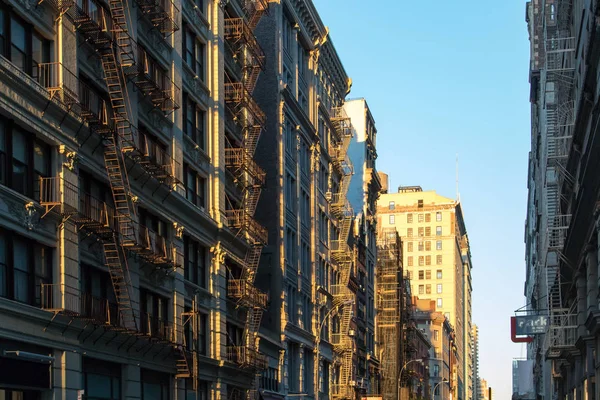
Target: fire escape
column 559, row 68
column 389, row 278
column 249, row 179
column 341, row 253
column 115, row 225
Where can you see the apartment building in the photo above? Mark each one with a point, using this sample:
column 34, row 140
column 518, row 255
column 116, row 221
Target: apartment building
column 363, row 191
column 320, row 317
column 437, row 259
column 442, row 355
column 561, row 232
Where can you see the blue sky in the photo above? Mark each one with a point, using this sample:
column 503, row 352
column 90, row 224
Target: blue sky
column 448, row 77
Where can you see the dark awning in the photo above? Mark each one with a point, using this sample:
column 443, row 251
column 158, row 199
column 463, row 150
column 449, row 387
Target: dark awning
column 266, row 395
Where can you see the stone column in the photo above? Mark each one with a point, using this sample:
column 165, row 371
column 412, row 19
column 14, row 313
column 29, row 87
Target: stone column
column 581, row 301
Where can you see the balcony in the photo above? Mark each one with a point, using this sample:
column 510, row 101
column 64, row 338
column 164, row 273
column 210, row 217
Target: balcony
column 59, row 196
column 239, row 99
column 243, row 222
column 246, row 293
column 153, row 158
column 92, row 20
column 246, row 357
column 162, row 14
column 239, row 160
column 153, row 81
column 67, row 89
column 561, row 335
column 341, row 294
column 239, row 33
column 156, row 328
column 340, row 251
column 150, row 246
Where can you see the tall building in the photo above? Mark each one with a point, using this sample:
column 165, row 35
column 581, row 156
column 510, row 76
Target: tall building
column 133, row 153
column 475, row 352
column 437, row 259
column 363, row 191
column 483, row 390
column 561, row 232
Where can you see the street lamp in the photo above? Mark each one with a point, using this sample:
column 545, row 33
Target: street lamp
column 401, row 370
column 438, row 384
column 318, row 363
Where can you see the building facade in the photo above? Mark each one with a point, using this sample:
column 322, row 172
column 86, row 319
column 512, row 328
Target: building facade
column 475, row 352
column 442, row 355
column 135, row 147
column 437, row 259
column 561, row 232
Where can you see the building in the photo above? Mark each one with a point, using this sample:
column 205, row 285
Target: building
column 475, row 352
column 392, row 312
column 363, row 191
column 315, row 258
column 483, row 390
column 561, row 229
column 437, row 259
column 134, row 260
column 442, row 353
column 522, row 380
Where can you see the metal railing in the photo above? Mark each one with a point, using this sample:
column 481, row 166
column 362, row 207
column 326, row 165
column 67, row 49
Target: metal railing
column 59, row 298
column 236, row 92
column 163, row 14
column 55, row 192
column 244, row 291
column 241, row 158
column 239, row 219
column 246, row 357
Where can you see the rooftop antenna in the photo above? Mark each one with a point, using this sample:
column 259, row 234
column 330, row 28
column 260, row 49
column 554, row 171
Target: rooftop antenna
column 457, row 192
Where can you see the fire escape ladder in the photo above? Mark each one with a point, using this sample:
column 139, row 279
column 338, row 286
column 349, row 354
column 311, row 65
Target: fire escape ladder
column 251, row 136
column 253, row 317
column 254, row 10
column 251, row 262
column 183, row 364
column 184, row 370
column 116, row 262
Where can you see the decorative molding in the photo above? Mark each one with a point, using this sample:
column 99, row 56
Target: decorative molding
column 218, row 253
column 29, row 219
column 178, row 230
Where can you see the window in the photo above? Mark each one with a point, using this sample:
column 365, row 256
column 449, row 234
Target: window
column 447, row 315
column 438, row 231
column 421, row 275
column 420, row 203
column 421, row 289
column 409, row 218
column 439, row 303
column 194, row 263
column 293, row 355
column 436, row 367
column 436, row 334
column 195, row 187
column 292, row 306
column 193, row 52
column 427, row 217
column 27, row 49
column 269, row 379
column 410, row 275
column 193, row 122
column 428, row 274
column 101, row 379
column 421, row 246
column 409, row 232
column 410, row 261
column 427, row 230
column 428, row 289
column 154, row 315
column 428, row 246
column 203, row 334
column 25, row 266
column 438, row 216
column 421, row 217
column 439, row 274
column 439, row 288
column 155, row 385
column 438, row 245
column 203, row 390
column 392, row 205
column 392, row 219
column 23, row 160
column 438, row 259
column 427, row 260
column 421, row 261
column 409, row 246
column 421, row 231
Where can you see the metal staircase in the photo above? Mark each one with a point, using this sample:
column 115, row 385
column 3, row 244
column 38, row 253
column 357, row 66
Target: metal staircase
column 341, row 253
column 249, row 178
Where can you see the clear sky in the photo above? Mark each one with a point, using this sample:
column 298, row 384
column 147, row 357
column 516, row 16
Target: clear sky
column 448, row 77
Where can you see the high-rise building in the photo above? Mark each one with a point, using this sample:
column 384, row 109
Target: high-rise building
column 561, row 231
column 483, row 389
column 475, row 353
column 133, row 152
column 437, row 258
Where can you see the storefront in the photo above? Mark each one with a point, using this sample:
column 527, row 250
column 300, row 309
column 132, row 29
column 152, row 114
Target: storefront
column 25, row 370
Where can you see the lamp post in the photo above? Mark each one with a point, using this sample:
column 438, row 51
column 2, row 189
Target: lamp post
column 318, row 345
column 438, row 384
column 402, row 370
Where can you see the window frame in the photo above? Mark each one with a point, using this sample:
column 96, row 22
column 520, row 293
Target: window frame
column 194, row 128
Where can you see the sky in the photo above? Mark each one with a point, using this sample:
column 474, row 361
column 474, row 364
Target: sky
column 444, row 78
